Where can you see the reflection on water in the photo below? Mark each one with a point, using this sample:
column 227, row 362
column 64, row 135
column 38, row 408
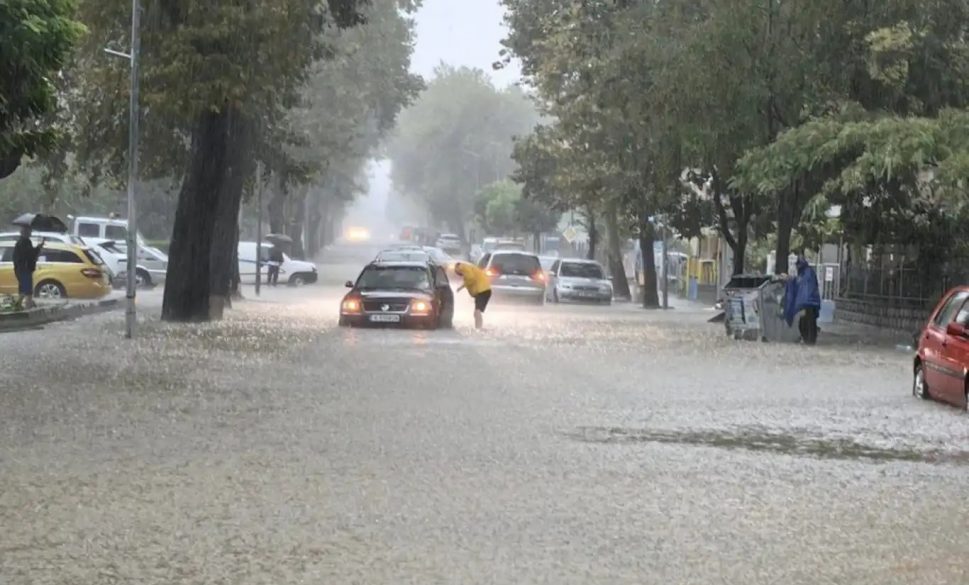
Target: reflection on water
column 761, row 440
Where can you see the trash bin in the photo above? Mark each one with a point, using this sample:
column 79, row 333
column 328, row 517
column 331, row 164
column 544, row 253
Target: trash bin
column 757, row 312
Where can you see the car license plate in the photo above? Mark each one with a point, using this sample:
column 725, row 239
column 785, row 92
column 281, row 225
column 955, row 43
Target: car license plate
column 385, row 318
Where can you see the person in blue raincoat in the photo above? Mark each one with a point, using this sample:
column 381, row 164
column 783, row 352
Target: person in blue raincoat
column 803, row 297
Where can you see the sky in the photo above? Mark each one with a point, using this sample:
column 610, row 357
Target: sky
column 461, row 32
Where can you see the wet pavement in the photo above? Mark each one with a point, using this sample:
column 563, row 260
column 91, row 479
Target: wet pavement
column 564, row 444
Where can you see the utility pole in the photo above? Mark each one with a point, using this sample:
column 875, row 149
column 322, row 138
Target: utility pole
column 258, row 226
column 666, row 277
column 131, row 316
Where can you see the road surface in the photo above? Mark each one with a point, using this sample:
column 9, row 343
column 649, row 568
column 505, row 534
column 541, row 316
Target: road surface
column 560, row 445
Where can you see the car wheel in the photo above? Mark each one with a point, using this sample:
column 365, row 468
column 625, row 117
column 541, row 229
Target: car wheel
column 297, row 280
column 142, row 279
column 966, row 396
column 50, row 289
column 919, row 388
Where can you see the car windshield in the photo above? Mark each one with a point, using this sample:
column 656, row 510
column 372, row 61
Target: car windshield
column 394, row 277
column 581, row 270
column 516, row 264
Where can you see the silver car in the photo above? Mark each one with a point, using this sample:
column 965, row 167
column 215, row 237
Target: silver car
column 579, row 280
column 515, row 276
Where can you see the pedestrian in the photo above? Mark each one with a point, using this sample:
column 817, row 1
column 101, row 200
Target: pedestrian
column 479, row 287
column 802, row 299
column 24, row 264
column 275, row 261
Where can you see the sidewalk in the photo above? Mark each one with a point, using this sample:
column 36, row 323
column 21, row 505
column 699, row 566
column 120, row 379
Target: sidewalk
column 50, row 312
column 858, row 333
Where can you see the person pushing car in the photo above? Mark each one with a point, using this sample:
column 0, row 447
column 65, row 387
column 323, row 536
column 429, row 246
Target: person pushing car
column 479, row 287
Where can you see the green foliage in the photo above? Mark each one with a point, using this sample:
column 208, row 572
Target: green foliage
column 36, row 38
column 456, row 138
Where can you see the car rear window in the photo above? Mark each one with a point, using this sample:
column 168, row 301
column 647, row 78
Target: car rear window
column 581, row 270
column 516, row 264
column 93, row 257
column 394, row 277
column 63, row 256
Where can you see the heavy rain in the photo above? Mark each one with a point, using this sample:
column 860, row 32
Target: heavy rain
column 483, row 291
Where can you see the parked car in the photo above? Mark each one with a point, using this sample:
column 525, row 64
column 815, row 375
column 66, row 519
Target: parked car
column 63, row 238
column 409, row 294
column 151, row 270
column 292, row 272
column 942, row 360
column 63, row 271
column 450, row 243
column 515, row 275
column 579, row 280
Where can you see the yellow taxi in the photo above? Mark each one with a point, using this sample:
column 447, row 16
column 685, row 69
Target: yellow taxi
column 63, row 271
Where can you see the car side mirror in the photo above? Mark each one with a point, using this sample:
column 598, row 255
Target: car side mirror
column 956, row 329
column 348, row 284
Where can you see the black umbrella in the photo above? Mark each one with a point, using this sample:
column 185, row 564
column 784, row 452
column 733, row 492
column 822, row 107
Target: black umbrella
column 41, row 222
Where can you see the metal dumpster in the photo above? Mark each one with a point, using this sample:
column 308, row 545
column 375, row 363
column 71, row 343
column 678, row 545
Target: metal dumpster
column 758, row 313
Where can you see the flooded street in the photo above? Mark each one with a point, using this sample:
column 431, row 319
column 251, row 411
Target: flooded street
column 564, row 444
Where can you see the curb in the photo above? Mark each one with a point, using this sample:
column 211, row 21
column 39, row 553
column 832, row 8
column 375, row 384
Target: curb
column 37, row 317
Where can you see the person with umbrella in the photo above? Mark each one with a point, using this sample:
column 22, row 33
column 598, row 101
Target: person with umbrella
column 25, row 256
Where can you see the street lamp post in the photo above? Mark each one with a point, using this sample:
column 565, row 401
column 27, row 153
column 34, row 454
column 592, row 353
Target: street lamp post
column 258, row 226
column 131, row 316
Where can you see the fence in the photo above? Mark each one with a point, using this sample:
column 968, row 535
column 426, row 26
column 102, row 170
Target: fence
column 910, row 287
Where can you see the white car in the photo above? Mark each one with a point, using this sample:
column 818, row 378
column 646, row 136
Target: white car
column 292, row 272
column 152, row 267
column 574, row 279
column 450, row 243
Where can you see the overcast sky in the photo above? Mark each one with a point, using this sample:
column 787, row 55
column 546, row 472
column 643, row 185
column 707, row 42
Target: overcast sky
column 461, row 32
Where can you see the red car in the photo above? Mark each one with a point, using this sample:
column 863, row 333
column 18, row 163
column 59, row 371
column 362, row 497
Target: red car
column 942, row 362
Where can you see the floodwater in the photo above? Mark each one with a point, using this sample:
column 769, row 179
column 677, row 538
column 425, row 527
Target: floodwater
column 564, row 444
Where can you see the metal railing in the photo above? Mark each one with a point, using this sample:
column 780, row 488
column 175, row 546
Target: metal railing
column 900, row 286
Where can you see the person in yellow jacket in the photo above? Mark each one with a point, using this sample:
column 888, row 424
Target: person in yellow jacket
column 479, row 287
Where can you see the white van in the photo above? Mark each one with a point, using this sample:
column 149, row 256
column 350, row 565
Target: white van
column 103, row 228
column 292, row 272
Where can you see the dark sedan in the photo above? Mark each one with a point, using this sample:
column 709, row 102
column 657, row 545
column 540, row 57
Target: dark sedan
column 408, row 294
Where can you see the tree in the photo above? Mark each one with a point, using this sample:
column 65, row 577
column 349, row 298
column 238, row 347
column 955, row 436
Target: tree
column 216, row 81
column 456, row 138
column 36, row 39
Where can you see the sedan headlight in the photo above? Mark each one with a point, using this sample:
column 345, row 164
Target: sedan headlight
column 351, row 306
column 420, row 307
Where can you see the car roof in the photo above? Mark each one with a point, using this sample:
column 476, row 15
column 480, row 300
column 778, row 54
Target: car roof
column 50, row 245
column 578, row 261
column 516, row 252
column 401, row 264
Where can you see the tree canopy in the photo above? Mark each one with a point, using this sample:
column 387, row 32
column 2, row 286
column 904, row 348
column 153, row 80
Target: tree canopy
column 36, row 40
column 456, row 138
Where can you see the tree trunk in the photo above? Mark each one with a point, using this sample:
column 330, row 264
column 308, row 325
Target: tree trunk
column 647, row 235
column 277, row 208
column 188, row 282
column 740, row 253
column 225, row 230
column 593, row 230
column 313, row 225
column 614, row 241
column 296, row 226
column 786, row 212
